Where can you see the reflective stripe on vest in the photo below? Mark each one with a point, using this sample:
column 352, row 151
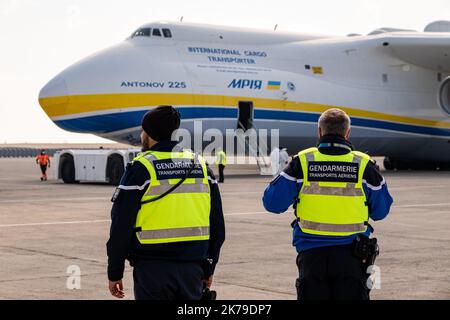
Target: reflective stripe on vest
column 332, row 206
column 196, row 187
column 320, row 226
column 174, row 233
column 349, row 190
column 182, row 215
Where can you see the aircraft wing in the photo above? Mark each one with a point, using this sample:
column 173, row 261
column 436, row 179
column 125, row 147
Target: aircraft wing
column 429, row 50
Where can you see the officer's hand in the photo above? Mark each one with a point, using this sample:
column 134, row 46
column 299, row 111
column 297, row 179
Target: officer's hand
column 208, row 282
column 116, row 289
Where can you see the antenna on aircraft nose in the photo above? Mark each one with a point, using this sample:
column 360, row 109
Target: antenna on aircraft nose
column 275, row 28
column 181, row 19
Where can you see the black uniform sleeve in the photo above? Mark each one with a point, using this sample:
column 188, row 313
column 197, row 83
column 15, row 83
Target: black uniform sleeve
column 126, row 199
column 294, row 169
column 372, row 174
column 217, row 225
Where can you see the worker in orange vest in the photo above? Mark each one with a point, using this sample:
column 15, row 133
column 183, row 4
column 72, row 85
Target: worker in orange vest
column 44, row 161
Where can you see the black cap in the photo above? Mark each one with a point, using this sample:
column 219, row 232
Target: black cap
column 161, row 122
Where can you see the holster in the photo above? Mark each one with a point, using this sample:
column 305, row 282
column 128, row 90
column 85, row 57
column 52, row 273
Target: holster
column 208, row 295
column 208, row 268
column 366, row 249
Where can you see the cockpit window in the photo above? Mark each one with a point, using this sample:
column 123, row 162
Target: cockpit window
column 167, row 33
column 156, row 32
column 143, row 32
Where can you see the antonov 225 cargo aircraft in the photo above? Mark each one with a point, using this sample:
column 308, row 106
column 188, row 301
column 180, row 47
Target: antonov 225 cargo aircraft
column 393, row 83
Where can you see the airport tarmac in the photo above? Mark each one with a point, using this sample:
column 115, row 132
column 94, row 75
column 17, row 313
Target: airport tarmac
column 46, row 227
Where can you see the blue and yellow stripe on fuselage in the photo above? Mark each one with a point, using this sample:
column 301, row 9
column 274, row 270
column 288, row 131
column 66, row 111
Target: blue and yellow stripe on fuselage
column 118, row 112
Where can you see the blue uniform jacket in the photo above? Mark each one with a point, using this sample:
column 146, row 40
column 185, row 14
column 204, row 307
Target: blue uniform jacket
column 282, row 192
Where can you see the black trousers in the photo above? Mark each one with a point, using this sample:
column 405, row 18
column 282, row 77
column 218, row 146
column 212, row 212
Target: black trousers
column 43, row 169
column 221, row 176
column 331, row 273
column 167, row 280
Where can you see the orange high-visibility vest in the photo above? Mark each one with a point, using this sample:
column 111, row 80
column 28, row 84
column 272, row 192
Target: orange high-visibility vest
column 42, row 159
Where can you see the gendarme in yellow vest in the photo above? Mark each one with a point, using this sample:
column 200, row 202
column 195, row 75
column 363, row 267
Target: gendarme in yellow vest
column 332, row 201
column 221, row 158
column 182, row 215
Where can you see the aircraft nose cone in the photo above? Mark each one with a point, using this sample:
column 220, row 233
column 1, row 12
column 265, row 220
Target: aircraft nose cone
column 53, row 96
column 54, row 88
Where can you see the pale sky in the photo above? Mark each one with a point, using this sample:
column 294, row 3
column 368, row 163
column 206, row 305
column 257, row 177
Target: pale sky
column 41, row 38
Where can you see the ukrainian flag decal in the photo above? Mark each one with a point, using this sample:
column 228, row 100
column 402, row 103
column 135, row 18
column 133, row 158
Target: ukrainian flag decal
column 273, row 85
column 317, row 70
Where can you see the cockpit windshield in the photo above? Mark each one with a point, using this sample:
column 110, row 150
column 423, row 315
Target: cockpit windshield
column 142, row 32
column 155, row 32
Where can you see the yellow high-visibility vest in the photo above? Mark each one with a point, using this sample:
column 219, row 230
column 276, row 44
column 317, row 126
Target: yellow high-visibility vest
column 332, row 201
column 221, row 158
column 182, row 215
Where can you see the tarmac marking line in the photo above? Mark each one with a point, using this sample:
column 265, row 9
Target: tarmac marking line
column 241, row 192
column 51, row 223
column 49, row 277
column 101, row 198
column 243, row 213
column 226, row 214
column 52, row 254
column 55, row 200
column 421, row 205
column 255, row 288
column 406, row 237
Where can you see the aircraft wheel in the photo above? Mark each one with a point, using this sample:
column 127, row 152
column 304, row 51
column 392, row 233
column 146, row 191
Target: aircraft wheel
column 68, row 169
column 401, row 165
column 396, row 164
column 388, row 163
column 115, row 169
column 444, row 166
column 424, row 166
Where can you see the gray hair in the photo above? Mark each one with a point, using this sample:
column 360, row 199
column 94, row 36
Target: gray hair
column 334, row 121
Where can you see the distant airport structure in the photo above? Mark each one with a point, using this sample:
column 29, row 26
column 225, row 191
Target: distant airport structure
column 24, row 150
